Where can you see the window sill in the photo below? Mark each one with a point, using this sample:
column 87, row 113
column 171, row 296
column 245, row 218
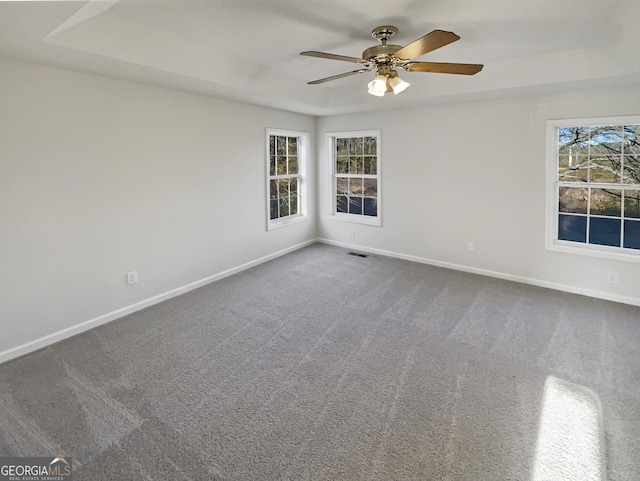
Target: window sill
column 285, row 221
column 357, row 219
column 603, row 252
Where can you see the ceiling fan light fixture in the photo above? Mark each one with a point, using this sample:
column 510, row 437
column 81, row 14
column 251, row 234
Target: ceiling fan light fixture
column 375, row 92
column 378, row 84
column 397, row 84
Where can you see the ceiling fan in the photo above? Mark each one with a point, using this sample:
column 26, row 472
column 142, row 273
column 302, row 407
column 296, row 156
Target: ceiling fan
column 384, row 59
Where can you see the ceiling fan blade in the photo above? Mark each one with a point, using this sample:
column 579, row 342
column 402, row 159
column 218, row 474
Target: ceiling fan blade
column 428, row 43
column 439, row 67
column 332, row 56
column 335, row 77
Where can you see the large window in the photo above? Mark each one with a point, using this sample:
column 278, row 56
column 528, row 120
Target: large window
column 355, row 169
column 595, row 164
column 286, row 190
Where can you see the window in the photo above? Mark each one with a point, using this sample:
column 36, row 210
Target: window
column 355, row 169
column 595, row 169
column 286, row 162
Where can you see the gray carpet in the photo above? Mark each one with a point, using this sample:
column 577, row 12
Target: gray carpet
column 324, row 366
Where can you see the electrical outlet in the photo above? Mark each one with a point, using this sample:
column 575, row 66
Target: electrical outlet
column 471, row 246
column 132, row 277
column 352, row 234
column 612, row 277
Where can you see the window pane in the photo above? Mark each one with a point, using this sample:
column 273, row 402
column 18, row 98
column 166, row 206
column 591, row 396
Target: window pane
column 632, row 234
column 632, row 203
column 342, row 165
column 283, row 188
column 370, row 165
column 371, row 207
column 286, row 188
column 632, row 139
column 293, row 165
column 606, row 202
column 370, row 188
column 281, row 161
column 606, row 140
column 355, row 205
column 272, row 165
column 573, row 199
column 342, row 185
column 355, row 164
column 593, row 156
column 631, row 169
column 273, row 189
column 341, row 147
column 370, row 146
column 572, row 228
column 604, row 231
column 284, row 206
column 573, row 140
column 272, row 145
column 292, row 145
column 355, row 187
column 356, row 157
column 573, row 168
column 273, row 209
column 606, row 169
column 355, row 146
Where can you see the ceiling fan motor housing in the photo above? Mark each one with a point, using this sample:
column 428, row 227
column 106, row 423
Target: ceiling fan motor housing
column 380, row 52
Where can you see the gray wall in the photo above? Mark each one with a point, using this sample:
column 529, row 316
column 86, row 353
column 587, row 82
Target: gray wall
column 476, row 172
column 99, row 177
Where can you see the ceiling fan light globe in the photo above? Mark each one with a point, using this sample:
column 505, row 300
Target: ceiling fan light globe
column 373, row 90
column 398, row 85
column 379, row 84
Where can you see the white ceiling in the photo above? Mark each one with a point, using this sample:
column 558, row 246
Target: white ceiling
column 248, row 50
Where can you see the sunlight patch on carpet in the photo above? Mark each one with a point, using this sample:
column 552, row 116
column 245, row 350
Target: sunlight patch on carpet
column 570, row 437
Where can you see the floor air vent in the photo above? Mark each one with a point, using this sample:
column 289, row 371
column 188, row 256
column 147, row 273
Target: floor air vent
column 357, row 254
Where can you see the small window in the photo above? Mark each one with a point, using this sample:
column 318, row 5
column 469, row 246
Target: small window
column 355, row 174
column 594, row 170
column 286, row 164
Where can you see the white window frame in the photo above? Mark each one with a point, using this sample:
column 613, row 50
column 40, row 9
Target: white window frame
column 552, row 208
column 303, row 156
column 330, row 140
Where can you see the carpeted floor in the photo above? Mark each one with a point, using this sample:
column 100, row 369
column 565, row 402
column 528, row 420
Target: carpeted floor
column 324, row 366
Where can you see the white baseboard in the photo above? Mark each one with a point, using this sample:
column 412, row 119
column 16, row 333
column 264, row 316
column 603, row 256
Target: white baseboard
column 634, row 301
column 49, row 339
